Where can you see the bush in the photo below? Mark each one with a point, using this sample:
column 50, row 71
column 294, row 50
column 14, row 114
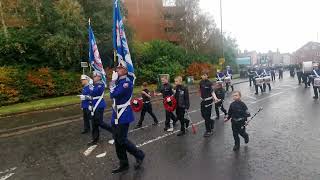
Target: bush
column 21, row 85
column 195, row 69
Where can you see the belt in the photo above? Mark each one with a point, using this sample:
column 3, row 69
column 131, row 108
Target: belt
column 206, row 99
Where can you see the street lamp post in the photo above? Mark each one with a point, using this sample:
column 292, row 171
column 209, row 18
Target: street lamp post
column 221, row 29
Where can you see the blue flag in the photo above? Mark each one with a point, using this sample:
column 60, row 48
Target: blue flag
column 120, row 43
column 94, row 56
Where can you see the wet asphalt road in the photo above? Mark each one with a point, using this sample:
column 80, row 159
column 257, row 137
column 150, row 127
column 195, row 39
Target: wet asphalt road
column 284, row 144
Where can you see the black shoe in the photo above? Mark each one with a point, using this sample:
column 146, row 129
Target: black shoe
column 138, row 126
column 236, row 148
column 256, row 93
column 207, row 134
column 315, row 97
column 139, row 162
column 181, row 133
column 165, row 129
column 246, row 139
column 94, row 142
column 120, row 169
column 85, row 132
column 155, row 124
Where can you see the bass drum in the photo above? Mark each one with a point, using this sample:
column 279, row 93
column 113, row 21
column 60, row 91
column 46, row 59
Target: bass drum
column 307, row 67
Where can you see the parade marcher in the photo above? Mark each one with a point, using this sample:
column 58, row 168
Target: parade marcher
column 183, row 104
column 238, row 113
column 86, row 103
column 207, row 96
column 98, row 106
column 291, row 69
column 220, row 94
column 316, row 81
column 299, row 73
column 306, row 79
column 251, row 75
column 258, row 81
column 220, row 76
column 273, row 73
column 167, row 91
column 228, row 78
column 121, row 89
column 147, row 106
column 281, row 72
column 266, row 79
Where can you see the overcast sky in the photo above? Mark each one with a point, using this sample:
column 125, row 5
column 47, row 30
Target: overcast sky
column 264, row 25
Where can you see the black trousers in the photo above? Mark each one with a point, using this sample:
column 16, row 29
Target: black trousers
column 315, row 90
column 147, row 108
column 219, row 105
column 169, row 116
column 238, row 130
column 227, row 86
column 206, row 109
column 257, row 88
column 86, row 119
column 280, row 74
column 265, row 86
column 123, row 145
column 180, row 116
column 98, row 122
column 299, row 74
column 273, row 76
column 306, row 80
column 251, row 80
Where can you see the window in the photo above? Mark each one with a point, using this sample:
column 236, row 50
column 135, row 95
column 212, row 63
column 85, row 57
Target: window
column 318, row 54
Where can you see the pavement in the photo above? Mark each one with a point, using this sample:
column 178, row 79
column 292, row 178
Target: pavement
column 284, row 144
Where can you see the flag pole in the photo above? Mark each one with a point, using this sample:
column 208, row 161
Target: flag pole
column 89, row 23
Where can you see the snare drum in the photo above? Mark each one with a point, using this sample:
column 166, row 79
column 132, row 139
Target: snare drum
column 259, row 81
column 267, row 79
column 316, row 82
column 227, row 79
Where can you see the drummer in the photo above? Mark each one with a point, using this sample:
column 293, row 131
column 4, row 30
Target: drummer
column 266, row 79
column 228, row 77
column 258, row 80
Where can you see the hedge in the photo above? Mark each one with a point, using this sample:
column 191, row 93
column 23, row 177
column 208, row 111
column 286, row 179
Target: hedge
column 21, row 85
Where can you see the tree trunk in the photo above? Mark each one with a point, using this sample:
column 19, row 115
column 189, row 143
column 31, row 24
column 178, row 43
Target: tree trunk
column 4, row 27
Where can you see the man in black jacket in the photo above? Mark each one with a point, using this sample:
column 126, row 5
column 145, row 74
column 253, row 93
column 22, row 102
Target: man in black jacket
column 220, row 93
column 207, row 96
column 183, row 104
column 166, row 91
column 238, row 113
column 147, row 106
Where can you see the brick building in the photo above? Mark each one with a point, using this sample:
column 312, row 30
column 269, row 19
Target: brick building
column 308, row 52
column 151, row 20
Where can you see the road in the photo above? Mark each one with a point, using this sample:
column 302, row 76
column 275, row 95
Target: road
column 284, row 144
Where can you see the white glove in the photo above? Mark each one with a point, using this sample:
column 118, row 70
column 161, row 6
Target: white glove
column 90, row 81
column 114, row 76
column 90, row 108
column 168, row 99
column 82, row 97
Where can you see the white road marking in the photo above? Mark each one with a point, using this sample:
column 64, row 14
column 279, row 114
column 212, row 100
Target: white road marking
column 101, row 155
column 250, row 97
column 6, row 176
column 163, row 136
column 198, row 123
column 8, row 170
column 160, row 122
column 89, row 150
